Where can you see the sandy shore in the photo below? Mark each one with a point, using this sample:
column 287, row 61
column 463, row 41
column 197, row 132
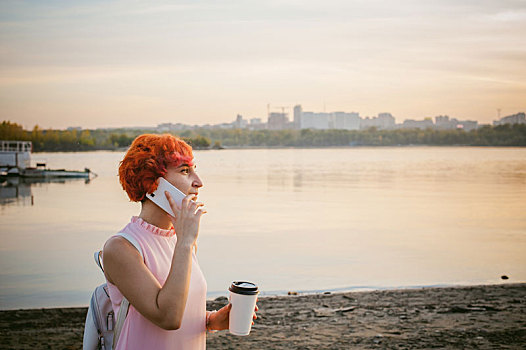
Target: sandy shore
column 478, row 317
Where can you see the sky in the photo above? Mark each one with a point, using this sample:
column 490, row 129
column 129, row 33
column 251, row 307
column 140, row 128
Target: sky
column 141, row 63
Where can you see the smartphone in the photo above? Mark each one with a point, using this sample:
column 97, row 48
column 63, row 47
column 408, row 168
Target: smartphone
column 159, row 197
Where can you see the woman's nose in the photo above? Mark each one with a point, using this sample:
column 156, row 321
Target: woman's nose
column 197, row 182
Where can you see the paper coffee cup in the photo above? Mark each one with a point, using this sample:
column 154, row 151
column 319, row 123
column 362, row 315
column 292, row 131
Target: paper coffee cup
column 243, row 297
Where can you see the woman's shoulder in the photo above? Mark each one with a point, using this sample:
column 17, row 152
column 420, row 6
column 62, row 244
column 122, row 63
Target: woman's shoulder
column 121, row 244
column 117, row 251
column 116, row 244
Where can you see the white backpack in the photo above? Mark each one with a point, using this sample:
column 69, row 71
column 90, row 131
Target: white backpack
column 102, row 330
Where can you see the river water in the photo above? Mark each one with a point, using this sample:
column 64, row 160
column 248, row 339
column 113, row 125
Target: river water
column 288, row 219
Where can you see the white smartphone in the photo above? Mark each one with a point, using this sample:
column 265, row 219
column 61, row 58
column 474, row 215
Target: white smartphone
column 159, row 198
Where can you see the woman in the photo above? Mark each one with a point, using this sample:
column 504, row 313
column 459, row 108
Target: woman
column 166, row 289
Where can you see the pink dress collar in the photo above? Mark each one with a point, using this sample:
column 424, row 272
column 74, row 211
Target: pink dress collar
column 152, row 228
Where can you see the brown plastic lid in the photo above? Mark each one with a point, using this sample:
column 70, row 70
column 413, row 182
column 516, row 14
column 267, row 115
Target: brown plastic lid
column 244, row 288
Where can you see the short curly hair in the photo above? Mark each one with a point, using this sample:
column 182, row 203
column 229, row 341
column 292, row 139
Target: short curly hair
column 147, row 159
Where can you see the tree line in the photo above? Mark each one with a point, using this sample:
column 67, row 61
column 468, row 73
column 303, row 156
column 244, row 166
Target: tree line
column 502, row 135
column 204, row 138
column 51, row 140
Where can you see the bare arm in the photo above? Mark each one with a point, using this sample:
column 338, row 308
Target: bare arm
column 162, row 305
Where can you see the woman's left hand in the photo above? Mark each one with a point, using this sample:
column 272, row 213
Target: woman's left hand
column 219, row 320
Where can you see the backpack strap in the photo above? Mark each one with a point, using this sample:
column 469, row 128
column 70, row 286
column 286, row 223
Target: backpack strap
column 125, row 304
column 98, row 259
column 123, row 312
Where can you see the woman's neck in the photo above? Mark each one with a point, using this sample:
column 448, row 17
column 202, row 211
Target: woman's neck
column 154, row 215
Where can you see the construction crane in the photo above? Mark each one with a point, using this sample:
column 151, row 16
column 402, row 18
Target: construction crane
column 281, row 107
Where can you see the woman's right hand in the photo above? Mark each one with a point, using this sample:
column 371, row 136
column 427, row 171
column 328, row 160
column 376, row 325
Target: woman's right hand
column 187, row 218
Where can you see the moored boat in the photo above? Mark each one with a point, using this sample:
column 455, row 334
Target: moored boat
column 58, row 173
column 15, row 160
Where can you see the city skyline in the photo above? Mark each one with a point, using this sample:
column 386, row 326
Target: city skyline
column 109, row 64
column 302, row 119
column 316, row 120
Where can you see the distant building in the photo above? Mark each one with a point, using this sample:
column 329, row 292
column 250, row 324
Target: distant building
column 256, row 124
column 346, row 121
column 443, row 122
column 385, row 121
column 467, row 125
column 417, row 124
column 311, row 120
column 277, row 121
column 323, row 121
column 382, row 121
column 167, row 127
column 519, row 118
column 342, row 120
column 298, row 111
column 225, row 125
column 367, row 123
column 240, row 123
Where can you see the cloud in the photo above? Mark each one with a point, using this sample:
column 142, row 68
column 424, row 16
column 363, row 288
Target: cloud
column 509, row 16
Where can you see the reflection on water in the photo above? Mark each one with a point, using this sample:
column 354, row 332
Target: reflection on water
column 17, row 190
column 299, row 219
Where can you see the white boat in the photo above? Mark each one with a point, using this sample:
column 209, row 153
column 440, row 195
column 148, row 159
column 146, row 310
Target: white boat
column 15, row 160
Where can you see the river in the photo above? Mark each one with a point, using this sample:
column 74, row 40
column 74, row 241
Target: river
column 288, row 219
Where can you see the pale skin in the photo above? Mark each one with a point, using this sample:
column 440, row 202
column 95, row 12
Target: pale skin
column 123, row 265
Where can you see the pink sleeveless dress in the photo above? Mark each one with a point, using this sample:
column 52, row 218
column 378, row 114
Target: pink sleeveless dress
column 138, row 332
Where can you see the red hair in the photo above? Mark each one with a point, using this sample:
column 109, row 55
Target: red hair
column 147, row 159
